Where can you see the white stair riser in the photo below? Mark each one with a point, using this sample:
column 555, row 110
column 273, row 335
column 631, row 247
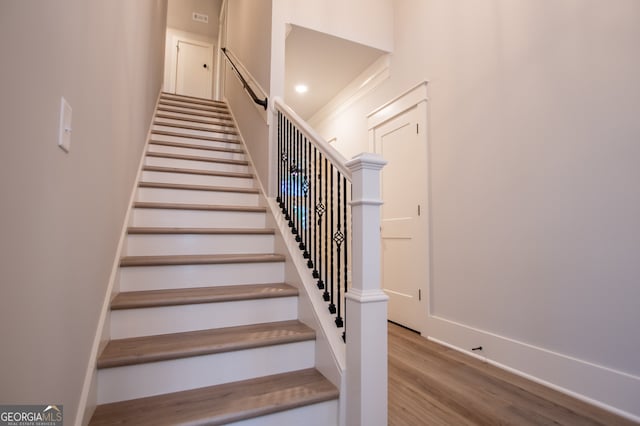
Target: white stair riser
column 212, row 124
column 197, row 218
column 195, row 164
column 320, row 414
column 137, row 381
column 182, row 98
column 189, row 102
column 188, row 108
column 139, row 278
column 196, row 152
column 176, row 319
column 188, row 196
column 211, row 132
column 203, row 142
column 179, row 115
column 195, row 179
column 169, row 244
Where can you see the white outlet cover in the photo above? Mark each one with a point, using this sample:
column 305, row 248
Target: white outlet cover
column 64, row 132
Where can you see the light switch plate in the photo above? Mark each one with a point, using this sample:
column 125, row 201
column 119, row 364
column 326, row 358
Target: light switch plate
column 64, row 132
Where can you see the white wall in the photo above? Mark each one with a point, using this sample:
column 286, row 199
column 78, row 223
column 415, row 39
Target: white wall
column 62, row 213
column 181, row 26
column 535, row 207
column 249, row 27
column 339, row 18
column 344, row 19
column 180, row 16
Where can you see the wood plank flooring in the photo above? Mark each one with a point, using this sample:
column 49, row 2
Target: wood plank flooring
column 430, row 384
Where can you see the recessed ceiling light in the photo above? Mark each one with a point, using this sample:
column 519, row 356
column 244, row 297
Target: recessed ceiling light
column 302, row 88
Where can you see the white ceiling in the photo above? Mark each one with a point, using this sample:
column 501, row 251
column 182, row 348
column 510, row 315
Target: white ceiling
column 326, row 64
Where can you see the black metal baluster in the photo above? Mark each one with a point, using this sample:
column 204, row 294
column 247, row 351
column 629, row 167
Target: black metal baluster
column 313, row 223
column 347, row 234
column 305, row 188
column 332, row 305
column 296, row 175
column 320, row 210
column 310, row 175
column 326, row 237
column 290, row 167
column 338, row 238
column 279, row 198
column 286, row 177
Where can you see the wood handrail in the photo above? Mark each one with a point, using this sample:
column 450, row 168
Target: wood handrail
column 263, row 102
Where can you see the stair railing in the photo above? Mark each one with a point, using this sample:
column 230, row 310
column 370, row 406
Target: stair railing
column 262, row 102
column 332, row 207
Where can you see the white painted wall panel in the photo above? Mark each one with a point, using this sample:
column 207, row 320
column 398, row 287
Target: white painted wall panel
column 533, row 138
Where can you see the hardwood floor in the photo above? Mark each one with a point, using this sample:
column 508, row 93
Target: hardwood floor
column 430, row 384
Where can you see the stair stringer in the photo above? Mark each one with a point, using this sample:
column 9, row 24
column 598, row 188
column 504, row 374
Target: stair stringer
column 330, row 350
column 89, row 397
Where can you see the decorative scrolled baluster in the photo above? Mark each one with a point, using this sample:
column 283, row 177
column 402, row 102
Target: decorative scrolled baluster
column 325, row 235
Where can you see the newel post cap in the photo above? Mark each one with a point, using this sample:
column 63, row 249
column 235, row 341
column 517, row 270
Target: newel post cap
column 366, row 160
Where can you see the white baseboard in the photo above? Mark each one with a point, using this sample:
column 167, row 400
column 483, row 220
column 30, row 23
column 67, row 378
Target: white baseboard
column 609, row 389
column 88, row 396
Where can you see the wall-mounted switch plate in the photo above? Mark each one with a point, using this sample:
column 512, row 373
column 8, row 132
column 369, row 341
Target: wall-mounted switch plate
column 64, row 132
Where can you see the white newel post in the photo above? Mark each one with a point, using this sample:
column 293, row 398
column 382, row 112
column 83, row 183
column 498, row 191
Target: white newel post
column 366, row 303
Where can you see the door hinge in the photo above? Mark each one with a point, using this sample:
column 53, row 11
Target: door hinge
column 418, row 209
column 417, row 127
column 419, row 294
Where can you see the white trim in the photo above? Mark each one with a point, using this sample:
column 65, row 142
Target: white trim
column 176, row 37
column 102, row 330
column 366, row 202
column 558, row 371
column 398, row 105
column 363, row 84
column 417, row 98
column 366, row 296
column 209, row 47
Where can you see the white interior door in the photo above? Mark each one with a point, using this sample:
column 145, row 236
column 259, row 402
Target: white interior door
column 194, row 71
column 403, row 230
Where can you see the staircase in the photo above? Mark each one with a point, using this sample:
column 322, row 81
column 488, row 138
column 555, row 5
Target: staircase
column 204, row 330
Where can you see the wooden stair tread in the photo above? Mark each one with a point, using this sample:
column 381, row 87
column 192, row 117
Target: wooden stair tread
column 222, row 404
column 188, row 136
column 165, row 185
column 138, row 350
column 198, row 259
column 197, row 158
column 219, row 116
column 139, row 230
column 205, row 207
column 198, row 128
column 197, row 172
column 174, row 297
column 193, row 99
column 196, row 146
column 197, row 107
column 222, row 122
